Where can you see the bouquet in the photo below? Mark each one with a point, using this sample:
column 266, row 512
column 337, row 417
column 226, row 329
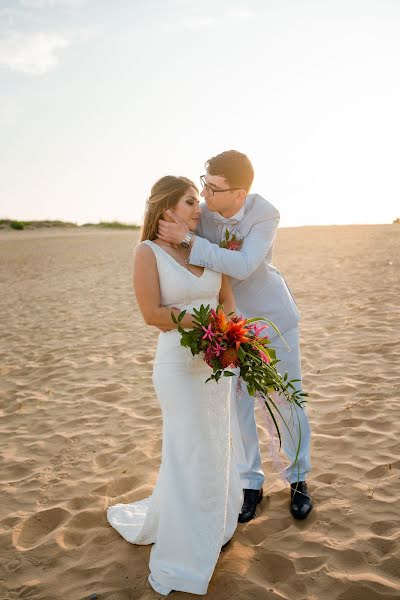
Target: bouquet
column 230, row 341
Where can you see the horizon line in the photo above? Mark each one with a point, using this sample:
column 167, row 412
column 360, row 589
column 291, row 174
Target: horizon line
column 54, row 223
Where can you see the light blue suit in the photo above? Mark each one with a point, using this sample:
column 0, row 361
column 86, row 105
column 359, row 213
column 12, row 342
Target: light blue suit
column 260, row 291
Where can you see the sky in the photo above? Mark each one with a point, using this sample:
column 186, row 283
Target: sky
column 99, row 99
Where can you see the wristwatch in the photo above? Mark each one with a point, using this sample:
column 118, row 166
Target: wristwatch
column 185, row 243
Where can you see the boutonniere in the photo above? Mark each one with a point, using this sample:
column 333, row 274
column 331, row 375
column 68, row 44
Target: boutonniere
column 231, row 241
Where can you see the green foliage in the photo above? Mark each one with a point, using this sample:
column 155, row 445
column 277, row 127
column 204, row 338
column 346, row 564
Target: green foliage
column 115, row 225
column 192, row 338
column 260, row 376
column 14, row 224
column 17, row 225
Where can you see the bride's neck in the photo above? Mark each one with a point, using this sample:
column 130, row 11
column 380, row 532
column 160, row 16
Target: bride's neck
column 168, row 245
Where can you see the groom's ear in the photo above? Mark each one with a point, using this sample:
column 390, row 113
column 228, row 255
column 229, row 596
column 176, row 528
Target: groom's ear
column 242, row 195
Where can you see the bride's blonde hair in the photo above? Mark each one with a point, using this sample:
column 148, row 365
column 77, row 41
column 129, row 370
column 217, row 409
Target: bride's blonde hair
column 164, row 194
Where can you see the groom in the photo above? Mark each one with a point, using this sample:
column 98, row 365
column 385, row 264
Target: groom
column 260, row 291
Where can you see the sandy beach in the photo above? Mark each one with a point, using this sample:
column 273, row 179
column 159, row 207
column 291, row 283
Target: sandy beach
column 80, row 426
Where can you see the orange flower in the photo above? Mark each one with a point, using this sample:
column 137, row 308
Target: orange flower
column 229, row 358
column 220, row 321
column 236, row 333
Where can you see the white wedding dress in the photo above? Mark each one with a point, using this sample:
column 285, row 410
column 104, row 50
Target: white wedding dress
column 195, row 504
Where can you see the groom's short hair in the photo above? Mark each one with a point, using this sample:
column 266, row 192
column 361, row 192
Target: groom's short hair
column 234, row 166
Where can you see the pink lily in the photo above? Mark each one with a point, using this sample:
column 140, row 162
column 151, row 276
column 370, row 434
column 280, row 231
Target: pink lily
column 218, row 348
column 209, row 334
column 258, row 328
column 264, row 357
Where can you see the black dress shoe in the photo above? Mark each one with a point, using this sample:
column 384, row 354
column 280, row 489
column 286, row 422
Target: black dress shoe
column 301, row 502
column 251, row 499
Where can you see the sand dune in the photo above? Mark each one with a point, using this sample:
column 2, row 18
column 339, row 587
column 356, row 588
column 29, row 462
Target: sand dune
column 81, row 429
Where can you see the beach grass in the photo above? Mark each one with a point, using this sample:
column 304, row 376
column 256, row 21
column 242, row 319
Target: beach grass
column 112, row 225
column 22, row 225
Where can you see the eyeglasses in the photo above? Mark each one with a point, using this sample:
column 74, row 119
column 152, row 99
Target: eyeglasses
column 211, row 191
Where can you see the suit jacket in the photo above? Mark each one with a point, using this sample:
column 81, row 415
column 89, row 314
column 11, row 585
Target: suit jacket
column 259, row 289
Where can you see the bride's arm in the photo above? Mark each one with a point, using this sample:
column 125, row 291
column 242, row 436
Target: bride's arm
column 226, row 296
column 146, row 284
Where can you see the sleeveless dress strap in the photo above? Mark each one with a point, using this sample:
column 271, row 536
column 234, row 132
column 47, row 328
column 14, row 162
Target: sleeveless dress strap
column 156, row 250
column 149, row 243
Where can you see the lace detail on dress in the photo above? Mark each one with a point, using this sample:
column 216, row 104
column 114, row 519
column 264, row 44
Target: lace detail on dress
column 215, row 497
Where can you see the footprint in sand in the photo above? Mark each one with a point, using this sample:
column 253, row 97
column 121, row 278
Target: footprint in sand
column 76, row 533
column 272, row 567
column 14, row 564
column 106, row 459
column 13, row 473
column 328, row 478
column 71, row 539
column 9, row 522
column 79, row 502
column 307, row 564
column 141, row 359
column 35, row 529
column 379, row 471
column 116, row 488
column 386, row 528
column 26, row 592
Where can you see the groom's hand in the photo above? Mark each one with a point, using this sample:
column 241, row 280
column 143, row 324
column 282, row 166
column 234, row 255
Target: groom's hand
column 173, row 231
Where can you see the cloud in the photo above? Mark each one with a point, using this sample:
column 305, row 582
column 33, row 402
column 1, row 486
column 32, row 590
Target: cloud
column 198, row 22
column 13, row 15
column 85, row 34
column 240, row 13
column 31, row 53
column 51, row 3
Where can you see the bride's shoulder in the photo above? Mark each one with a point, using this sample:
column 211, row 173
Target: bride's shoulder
column 144, row 250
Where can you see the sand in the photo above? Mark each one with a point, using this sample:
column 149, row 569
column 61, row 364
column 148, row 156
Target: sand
column 80, row 427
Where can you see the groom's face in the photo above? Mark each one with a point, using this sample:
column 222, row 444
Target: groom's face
column 217, row 195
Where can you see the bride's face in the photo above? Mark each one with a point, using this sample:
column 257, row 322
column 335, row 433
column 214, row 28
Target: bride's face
column 188, row 208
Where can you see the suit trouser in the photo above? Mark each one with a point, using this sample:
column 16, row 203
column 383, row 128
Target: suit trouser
column 251, row 473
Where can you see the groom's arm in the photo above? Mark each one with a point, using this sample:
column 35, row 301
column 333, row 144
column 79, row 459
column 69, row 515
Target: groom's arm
column 239, row 264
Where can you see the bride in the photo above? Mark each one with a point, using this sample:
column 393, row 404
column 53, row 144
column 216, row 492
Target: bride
column 195, row 504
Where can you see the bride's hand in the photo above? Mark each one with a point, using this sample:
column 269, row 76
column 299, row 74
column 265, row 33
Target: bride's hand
column 171, row 329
